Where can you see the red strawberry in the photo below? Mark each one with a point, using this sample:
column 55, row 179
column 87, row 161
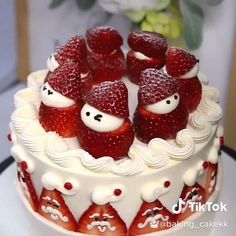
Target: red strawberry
column 151, row 45
column 115, row 144
column 102, row 220
column 53, row 207
column 179, row 62
column 61, row 120
column 103, row 40
column 135, row 66
column 211, row 178
column 111, row 98
column 107, row 67
column 65, row 83
column 74, row 50
column 86, row 82
column 156, row 89
column 27, row 186
column 106, row 103
column 151, row 217
column 189, row 194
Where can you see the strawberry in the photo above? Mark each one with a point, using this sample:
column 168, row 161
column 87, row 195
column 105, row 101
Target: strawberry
column 191, row 92
column 64, row 84
column 211, row 178
column 103, row 40
column 86, row 82
column 179, row 62
column 27, row 185
column 158, row 90
column 102, row 220
column 53, row 207
column 107, row 67
column 184, row 67
column 151, row 217
column 105, row 105
column 152, row 45
column 115, row 144
column 61, row 120
column 111, row 98
column 74, row 50
column 195, row 194
column 135, row 66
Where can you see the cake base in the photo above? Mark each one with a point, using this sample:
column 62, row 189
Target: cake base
column 39, row 226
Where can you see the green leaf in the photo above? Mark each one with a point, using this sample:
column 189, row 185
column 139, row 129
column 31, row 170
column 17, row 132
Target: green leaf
column 85, row 4
column 162, row 4
column 193, row 22
column 214, row 2
column 56, row 3
column 136, row 16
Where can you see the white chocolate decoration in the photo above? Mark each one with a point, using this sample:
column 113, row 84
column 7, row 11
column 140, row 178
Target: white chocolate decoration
column 98, row 120
column 52, row 98
column 102, row 195
column 192, row 73
column 141, row 56
column 165, row 106
column 52, row 64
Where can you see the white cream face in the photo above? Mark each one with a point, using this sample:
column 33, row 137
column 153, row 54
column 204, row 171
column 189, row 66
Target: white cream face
column 165, row 106
column 52, row 64
column 52, row 98
column 192, row 73
column 98, row 120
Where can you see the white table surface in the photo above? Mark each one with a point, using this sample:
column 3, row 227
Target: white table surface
column 13, row 222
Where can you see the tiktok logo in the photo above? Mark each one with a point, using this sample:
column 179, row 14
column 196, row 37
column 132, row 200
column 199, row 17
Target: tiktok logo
column 177, row 208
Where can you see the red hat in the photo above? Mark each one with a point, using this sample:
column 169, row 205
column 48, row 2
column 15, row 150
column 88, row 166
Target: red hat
column 74, row 50
column 110, row 97
column 66, row 81
column 155, row 86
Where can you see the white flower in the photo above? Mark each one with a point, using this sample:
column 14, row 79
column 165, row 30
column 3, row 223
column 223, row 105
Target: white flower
column 119, row 6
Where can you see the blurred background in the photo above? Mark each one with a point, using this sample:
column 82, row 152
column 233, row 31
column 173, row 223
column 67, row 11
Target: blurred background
column 30, row 30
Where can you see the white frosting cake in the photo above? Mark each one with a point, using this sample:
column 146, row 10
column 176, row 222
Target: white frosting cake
column 163, row 138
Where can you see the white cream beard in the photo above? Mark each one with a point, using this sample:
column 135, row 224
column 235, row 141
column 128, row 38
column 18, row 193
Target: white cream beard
column 141, row 56
column 54, row 213
column 102, row 226
column 153, row 222
column 54, row 99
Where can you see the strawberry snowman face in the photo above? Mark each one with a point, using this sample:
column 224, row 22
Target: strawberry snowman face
column 53, row 207
column 164, row 106
column 52, row 98
column 99, row 121
column 101, row 220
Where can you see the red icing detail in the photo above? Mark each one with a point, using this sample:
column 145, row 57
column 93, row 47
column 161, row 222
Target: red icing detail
column 167, row 184
column 117, row 192
column 68, row 186
column 9, row 137
column 24, row 165
column 205, row 164
column 222, row 141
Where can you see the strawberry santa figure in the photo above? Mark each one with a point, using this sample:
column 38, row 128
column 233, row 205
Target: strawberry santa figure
column 160, row 112
column 61, row 100
column 184, row 67
column 101, row 218
column 53, row 207
column 75, row 50
column 148, row 51
column 104, row 128
column 190, row 195
column 27, row 184
column 152, row 215
column 106, row 59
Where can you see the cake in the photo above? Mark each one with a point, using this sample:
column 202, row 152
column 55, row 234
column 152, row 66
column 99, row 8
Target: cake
column 105, row 150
